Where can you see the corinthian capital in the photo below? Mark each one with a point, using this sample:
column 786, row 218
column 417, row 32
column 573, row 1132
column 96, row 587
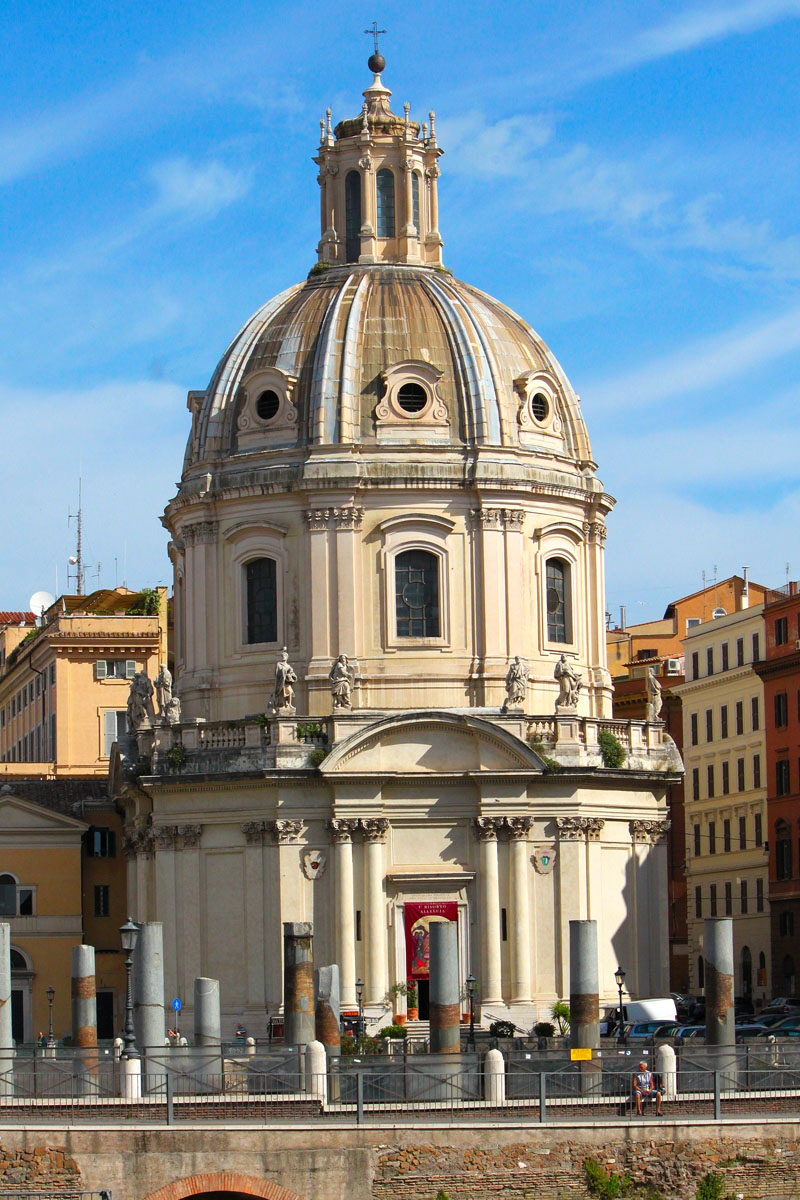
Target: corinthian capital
column 342, row 829
column 518, row 827
column 486, row 829
column 374, row 829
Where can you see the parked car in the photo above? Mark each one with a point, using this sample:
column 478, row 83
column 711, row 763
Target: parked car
column 690, row 1031
column 650, row 1029
column 660, row 1008
column 751, row 1030
column 788, row 1027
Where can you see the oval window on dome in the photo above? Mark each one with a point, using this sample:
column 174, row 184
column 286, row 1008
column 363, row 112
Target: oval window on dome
column 540, row 407
column 267, row 405
column 412, row 398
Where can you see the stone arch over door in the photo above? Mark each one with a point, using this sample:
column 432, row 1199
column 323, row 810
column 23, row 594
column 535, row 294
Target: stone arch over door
column 217, row 1183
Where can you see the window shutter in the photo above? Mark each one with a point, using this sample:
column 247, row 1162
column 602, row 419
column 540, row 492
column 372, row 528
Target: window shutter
column 130, row 669
column 109, row 732
column 101, row 668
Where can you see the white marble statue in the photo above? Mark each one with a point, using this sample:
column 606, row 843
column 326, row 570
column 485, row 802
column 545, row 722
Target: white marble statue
column 341, row 679
column 141, row 714
column 163, row 687
column 654, row 699
column 282, row 700
column 516, row 684
column 172, row 713
column 569, row 681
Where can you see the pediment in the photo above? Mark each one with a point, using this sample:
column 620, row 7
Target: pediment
column 433, row 743
column 18, row 816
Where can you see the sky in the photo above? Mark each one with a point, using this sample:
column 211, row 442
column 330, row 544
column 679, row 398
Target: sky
column 625, row 176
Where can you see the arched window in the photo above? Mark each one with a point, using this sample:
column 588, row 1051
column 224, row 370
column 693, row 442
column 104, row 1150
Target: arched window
column 783, row 850
column 559, row 601
column 352, row 215
column 385, row 188
column 416, row 580
column 415, row 199
column 8, row 896
column 701, row 972
column 261, row 600
column 747, row 971
column 18, row 961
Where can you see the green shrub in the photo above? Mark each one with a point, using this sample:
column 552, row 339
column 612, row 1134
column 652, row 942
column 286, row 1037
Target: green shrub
column 604, row 1183
column 560, row 1014
column 710, row 1187
column 544, row 1029
column 176, row 757
column 146, row 604
column 392, row 1031
column 502, row 1029
column 612, row 751
column 317, row 756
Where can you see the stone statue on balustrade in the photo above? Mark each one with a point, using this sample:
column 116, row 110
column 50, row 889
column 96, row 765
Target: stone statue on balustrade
column 342, row 678
column 282, row 699
column 569, row 683
column 516, row 685
column 172, row 713
column 141, row 713
column 654, row 699
column 163, row 688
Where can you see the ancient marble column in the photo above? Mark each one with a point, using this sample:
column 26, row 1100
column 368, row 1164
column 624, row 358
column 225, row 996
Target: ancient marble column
column 6, row 1039
column 207, row 1025
column 342, row 831
column 486, row 830
column 374, row 830
column 148, row 988
column 718, row 950
column 583, row 985
column 84, row 998
column 445, row 1006
column 327, row 1029
column 519, row 828
column 298, row 983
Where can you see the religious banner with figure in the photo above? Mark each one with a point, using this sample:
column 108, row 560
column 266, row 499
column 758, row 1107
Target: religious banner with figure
column 418, row 917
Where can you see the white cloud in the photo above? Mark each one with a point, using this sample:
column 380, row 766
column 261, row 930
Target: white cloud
column 705, row 365
column 488, row 149
column 195, row 191
column 698, row 27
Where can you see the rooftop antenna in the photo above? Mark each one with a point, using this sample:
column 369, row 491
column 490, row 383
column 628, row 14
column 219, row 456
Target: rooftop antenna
column 787, row 576
column 77, row 561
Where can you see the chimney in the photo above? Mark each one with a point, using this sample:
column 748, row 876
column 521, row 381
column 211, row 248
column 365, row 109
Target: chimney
column 744, row 599
column 622, row 614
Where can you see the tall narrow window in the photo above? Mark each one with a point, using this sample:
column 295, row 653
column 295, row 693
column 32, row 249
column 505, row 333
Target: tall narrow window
column 352, row 218
column 559, row 614
column 416, row 579
column 262, row 600
column 415, row 200
column 385, row 190
column 783, row 850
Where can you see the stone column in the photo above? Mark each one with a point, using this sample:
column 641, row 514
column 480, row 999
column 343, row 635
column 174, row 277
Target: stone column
column 718, row 949
column 6, row 1039
column 317, row 520
column 298, row 984
column 492, row 582
column 148, row 988
column 584, row 985
column 376, row 969
column 326, row 1013
column 84, row 998
column 188, row 951
column 347, row 521
column 486, row 829
column 206, row 1013
column 342, row 836
column 519, row 828
column 445, row 1005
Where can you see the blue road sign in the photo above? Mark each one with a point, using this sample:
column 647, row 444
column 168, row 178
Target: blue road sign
column 176, row 1005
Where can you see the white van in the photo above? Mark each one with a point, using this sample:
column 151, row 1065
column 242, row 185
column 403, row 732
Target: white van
column 659, row 1009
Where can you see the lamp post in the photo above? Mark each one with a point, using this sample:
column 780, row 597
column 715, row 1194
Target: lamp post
column 51, row 991
column 129, row 932
column 619, row 979
column 471, row 998
column 360, row 999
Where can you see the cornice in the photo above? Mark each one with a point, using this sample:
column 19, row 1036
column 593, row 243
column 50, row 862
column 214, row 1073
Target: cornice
column 789, row 664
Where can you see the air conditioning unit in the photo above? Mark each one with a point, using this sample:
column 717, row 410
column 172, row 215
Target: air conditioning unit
column 674, row 666
column 797, row 644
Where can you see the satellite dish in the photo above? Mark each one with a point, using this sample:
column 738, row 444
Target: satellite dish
column 40, row 601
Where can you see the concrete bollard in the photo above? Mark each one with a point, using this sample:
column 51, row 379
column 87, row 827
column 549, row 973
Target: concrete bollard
column 326, row 1010
column 206, row 1013
column 250, row 1043
column 131, row 1078
column 445, row 1005
column 494, row 1077
column 665, row 1066
column 316, row 1071
column 148, row 987
column 298, row 984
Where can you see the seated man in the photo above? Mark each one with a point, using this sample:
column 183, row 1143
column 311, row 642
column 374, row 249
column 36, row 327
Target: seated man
column 644, row 1086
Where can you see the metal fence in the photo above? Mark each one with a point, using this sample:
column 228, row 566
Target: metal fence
column 410, row 1092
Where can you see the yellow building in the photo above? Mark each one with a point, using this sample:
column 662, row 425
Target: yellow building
column 726, row 814
column 64, row 683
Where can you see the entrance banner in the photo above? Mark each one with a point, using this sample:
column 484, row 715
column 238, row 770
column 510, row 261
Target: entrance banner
column 418, row 917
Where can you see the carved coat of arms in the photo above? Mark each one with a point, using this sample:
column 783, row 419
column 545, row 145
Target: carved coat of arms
column 544, row 859
column 314, row 863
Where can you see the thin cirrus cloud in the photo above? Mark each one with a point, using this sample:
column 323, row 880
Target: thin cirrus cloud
column 705, row 365
column 692, row 29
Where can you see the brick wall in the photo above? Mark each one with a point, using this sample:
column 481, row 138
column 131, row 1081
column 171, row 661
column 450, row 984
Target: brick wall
column 40, row 1169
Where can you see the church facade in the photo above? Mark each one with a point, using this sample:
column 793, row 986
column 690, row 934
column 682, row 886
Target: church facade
column 389, row 638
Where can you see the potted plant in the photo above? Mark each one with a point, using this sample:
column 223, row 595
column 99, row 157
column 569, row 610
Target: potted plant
column 412, row 1000
column 398, row 989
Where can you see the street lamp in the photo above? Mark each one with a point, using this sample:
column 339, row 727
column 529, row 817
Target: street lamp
column 51, row 991
column 619, row 979
column 129, row 932
column 360, row 999
column 471, row 998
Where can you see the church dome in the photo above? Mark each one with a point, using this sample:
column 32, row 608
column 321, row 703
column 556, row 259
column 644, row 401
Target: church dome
column 388, row 353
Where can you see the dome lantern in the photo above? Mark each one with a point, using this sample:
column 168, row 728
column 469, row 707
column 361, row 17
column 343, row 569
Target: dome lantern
column 378, row 176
